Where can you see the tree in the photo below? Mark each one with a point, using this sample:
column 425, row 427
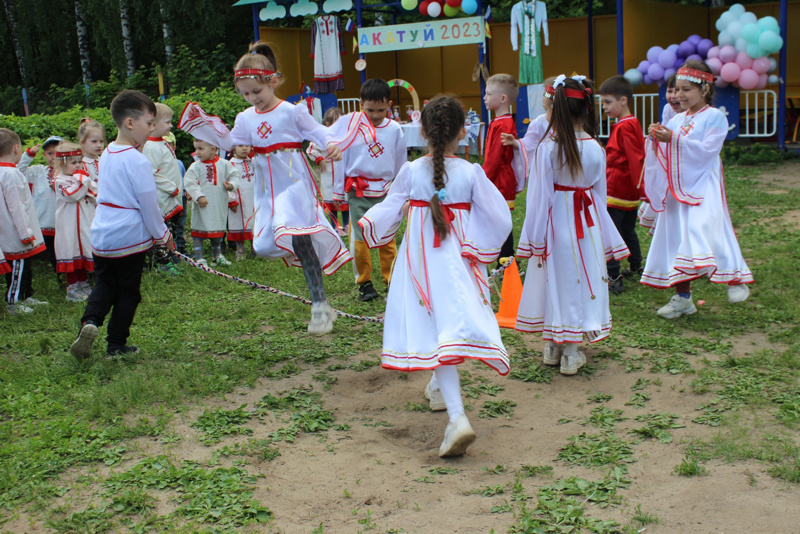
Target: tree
column 9, row 8
column 83, row 42
column 165, row 30
column 127, row 41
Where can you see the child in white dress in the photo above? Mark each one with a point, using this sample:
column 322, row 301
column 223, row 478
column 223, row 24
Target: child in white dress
column 241, row 211
column 92, row 137
column 328, row 172
column 568, row 232
column 76, row 201
column 683, row 179
column 438, row 312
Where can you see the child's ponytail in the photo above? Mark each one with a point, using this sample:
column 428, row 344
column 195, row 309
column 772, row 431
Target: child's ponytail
column 259, row 56
column 573, row 105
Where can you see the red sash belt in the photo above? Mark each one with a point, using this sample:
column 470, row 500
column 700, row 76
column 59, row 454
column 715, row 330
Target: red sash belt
column 359, row 182
column 447, row 209
column 581, row 201
column 117, row 207
column 277, row 146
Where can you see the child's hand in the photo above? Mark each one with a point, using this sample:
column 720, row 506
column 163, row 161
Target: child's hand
column 508, row 140
column 35, row 149
column 663, row 134
column 188, row 196
column 234, row 208
column 202, row 202
column 170, row 244
column 405, row 208
column 653, row 127
column 334, row 152
column 228, row 186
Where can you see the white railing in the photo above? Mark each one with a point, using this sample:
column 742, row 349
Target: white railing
column 349, row 105
column 645, row 108
column 760, row 114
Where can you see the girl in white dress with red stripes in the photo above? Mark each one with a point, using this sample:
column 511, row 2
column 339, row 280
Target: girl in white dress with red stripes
column 683, row 179
column 568, row 233
column 92, row 137
column 438, row 312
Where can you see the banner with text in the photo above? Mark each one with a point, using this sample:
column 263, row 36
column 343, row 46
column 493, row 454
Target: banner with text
column 421, row 34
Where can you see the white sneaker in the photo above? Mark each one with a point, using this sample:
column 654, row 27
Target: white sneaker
column 203, row 262
column 221, row 260
column 572, row 359
column 676, row 307
column 81, row 348
column 74, row 294
column 552, row 353
column 84, row 288
column 18, row 308
column 457, row 437
column 738, row 293
column 322, row 318
column 435, row 398
column 30, row 301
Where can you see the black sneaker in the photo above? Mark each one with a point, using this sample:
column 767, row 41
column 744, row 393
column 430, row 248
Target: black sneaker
column 81, row 348
column 633, row 273
column 366, row 292
column 117, row 351
column 615, row 285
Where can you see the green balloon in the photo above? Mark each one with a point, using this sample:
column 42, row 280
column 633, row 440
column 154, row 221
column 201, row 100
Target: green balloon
column 408, row 5
column 751, row 32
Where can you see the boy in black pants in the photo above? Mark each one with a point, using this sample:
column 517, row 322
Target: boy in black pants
column 127, row 223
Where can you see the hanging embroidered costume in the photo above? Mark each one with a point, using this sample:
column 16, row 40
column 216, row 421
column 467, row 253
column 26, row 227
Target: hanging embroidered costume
column 327, row 49
column 569, row 232
column 694, row 236
column 207, row 179
column 438, row 311
column 75, row 209
column 240, row 222
column 529, row 19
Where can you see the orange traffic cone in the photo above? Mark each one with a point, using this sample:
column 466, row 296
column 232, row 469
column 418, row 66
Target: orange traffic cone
column 510, row 295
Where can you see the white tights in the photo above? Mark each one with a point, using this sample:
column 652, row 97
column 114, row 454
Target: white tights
column 446, row 379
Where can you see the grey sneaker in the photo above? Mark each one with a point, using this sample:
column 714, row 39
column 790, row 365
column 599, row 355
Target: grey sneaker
column 457, row 437
column 572, row 359
column 435, row 398
column 221, row 260
column 18, row 308
column 322, row 318
column 203, row 262
column 552, row 353
column 738, row 293
column 74, row 294
column 30, row 301
column 81, row 348
column 676, row 307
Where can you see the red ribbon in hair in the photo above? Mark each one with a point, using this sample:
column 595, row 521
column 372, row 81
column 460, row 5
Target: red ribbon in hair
column 580, row 94
column 70, row 154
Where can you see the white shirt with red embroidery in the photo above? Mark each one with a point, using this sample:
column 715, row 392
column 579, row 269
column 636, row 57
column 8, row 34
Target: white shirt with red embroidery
column 20, row 236
column 167, row 175
column 207, row 179
column 240, row 222
column 76, row 198
column 41, row 179
column 128, row 219
column 92, row 166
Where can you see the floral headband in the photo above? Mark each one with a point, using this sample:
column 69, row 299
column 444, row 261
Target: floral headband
column 255, row 73
column 695, row 76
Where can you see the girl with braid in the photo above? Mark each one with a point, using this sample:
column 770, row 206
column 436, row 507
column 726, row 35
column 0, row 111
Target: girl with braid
column 438, row 312
column 568, row 232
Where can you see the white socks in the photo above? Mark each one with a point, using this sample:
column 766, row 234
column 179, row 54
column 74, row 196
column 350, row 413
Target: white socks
column 449, row 384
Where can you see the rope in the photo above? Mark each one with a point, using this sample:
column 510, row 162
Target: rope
column 497, row 272
column 206, row 268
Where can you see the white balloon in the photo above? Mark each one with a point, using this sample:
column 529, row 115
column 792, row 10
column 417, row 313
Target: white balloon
column 634, row 76
column 726, row 39
column 725, row 19
column 773, row 65
column 735, row 29
column 737, row 10
column 748, row 18
column 741, row 44
column 772, row 79
column 434, row 9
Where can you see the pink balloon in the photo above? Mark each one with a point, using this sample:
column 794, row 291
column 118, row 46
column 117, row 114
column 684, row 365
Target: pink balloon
column 730, row 72
column 722, row 84
column 762, row 81
column 715, row 65
column 727, row 54
column 761, row 65
column 748, row 79
column 713, row 52
column 744, row 60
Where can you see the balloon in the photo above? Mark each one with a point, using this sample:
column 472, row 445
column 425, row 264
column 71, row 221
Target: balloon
column 772, row 79
column 656, row 72
column 730, row 72
column 748, row 18
column 725, row 19
column 469, row 6
column 741, row 45
column 713, row 52
column 722, row 84
column 647, row 80
column 754, row 51
column 748, row 79
column 653, row 53
column 743, row 60
column 769, row 41
column 423, row 7
column 737, row 10
column 451, row 11
column 773, row 65
column 750, row 32
column 667, row 59
column 673, row 48
column 715, row 65
column 762, row 81
column 726, row 38
column 434, row 9
column 694, row 57
column 735, row 29
column 727, row 54
column 408, row 5
column 679, row 63
column 694, row 39
column 643, row 66
column 704, row 46
column 761, row 65
column 669, row 73
column 769, row 23
column 686, row 49
column 634, row 77
column 453, row 3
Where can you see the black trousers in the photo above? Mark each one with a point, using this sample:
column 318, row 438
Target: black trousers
column 508, row 247
column 19, row 281
column 50, row 244
column 116, row 289
column 625, row 221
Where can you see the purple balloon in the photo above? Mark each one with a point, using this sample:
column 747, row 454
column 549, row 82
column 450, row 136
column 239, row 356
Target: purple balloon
column 656, row 72
column 713, row 52
column 652, row 54
column 679, row 63
column 669, row 73
column 673, row 48
column 643, row 66
column 694, row 57
column 647, row 80
column 704, row 46
column 686, row 49
column 667, row 58
column 694, row 39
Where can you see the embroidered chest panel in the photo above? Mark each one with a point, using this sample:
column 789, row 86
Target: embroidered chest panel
column 264, row 130
column 375, row 150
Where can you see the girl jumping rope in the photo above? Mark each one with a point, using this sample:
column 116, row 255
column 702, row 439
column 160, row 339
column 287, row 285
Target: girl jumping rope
column 568, row 232
column 438, row 312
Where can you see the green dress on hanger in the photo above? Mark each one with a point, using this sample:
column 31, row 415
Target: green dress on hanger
column 530, row 52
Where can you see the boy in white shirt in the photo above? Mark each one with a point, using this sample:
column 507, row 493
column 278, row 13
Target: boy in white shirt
column 127, row 223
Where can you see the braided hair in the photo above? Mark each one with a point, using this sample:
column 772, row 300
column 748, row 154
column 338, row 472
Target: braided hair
column 442, row 120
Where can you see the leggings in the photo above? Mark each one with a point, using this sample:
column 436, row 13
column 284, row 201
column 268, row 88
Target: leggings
column 446, row 379
column 312, row 270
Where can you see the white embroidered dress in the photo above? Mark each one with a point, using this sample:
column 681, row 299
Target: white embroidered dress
column 240, row 222
column 207, row 179
column 20, row 235
column 92, row 166
column 167, row 175
column 694, row 236
column 42, row 181
column 75, row 208
column 437, row 312
column 569, row 236
column 286, row 201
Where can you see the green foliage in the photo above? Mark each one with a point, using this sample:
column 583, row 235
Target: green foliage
column 603, row 417
column 497, row 409
column 656, row 426
column 217, row 423
column 690, row 467
column 755, row 154
column 597, row 450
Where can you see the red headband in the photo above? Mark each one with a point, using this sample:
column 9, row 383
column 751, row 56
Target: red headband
column 580, row 94
column 694, row 75
column 549, row 91
column 71, row 154
column 253, row 73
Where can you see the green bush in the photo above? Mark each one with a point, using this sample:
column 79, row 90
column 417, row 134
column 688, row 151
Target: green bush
column 755, row 154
